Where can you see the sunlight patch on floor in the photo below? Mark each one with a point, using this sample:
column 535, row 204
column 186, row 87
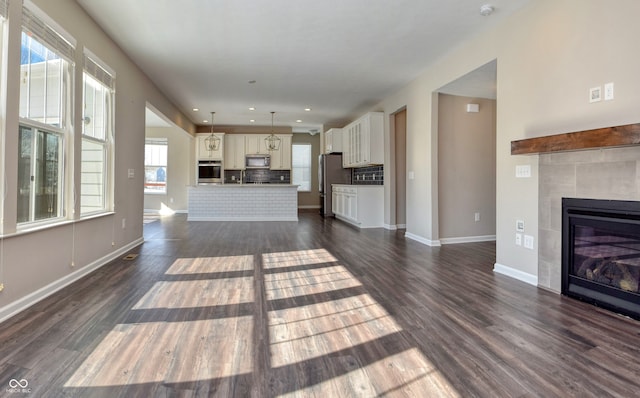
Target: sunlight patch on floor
column 406, row 374
column 199, row 293
column 316, row 330
column 297, row 258
column 203, row 265
column 300, row 283
column 169, row 352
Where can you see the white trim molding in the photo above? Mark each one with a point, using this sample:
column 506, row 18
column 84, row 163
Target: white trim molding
column 27, row 301
column 424, row 241
column 309, row 207
column 516, row 274
column 468, row 239
column 233, row 218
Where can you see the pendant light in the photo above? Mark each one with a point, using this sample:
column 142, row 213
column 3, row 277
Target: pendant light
column 212, row 142
column 272, row 141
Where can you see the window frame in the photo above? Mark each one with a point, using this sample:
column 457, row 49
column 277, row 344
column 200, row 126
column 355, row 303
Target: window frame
column 38, row 27
column 104, row 77
column 309, row 167
column 159, row 141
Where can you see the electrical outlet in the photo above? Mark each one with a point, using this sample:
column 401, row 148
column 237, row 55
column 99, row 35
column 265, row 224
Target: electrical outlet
column 528, row 242
column 477, row 216
column 124, row 223
column 1, row 287
column 518, row 239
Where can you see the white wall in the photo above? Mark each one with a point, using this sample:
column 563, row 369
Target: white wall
column 36, row 263
column 180, row 170
column 548, row 55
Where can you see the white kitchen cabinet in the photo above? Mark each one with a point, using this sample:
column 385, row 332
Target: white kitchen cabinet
column 281, row 159
column 359, row 205
column 234, row 152
column 363, row 141
column 203, row 153
column 333, row 141
column 255, row 144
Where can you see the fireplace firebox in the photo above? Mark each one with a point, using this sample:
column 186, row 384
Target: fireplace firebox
column 601, row 253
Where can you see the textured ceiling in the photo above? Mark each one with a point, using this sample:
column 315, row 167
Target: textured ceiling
column 337, row 57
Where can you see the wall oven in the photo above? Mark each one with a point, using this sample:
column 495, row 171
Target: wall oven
column 209, row 172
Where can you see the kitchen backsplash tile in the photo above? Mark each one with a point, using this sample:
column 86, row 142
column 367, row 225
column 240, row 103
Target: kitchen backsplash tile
column 258, row 176
column 373, row 175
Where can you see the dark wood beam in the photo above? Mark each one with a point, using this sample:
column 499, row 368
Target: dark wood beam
column 589, row 139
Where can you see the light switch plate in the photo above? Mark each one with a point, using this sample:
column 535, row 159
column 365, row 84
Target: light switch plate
column 528, row 242
column 523, row 171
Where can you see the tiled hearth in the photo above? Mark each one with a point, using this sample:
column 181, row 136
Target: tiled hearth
column 612, row 173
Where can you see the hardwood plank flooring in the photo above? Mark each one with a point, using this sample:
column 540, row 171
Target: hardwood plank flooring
column 314, row 308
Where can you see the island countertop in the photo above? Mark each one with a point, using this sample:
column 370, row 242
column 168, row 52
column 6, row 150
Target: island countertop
column 243, row 202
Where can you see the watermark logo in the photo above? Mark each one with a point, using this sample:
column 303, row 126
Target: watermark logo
column 19, row 386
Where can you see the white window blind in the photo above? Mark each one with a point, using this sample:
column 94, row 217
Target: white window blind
column 100, row 73
column 45, row 33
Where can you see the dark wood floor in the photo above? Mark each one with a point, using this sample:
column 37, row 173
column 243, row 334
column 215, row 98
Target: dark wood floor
column 314, row 308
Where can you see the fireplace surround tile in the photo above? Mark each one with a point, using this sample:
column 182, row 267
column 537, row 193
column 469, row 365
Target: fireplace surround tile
column 612, row 173
column 606, row 180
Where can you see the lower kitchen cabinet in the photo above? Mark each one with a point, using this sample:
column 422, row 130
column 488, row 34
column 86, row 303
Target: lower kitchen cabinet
column 360, row 205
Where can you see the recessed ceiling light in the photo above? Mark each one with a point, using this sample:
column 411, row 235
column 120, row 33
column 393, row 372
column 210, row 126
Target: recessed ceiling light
column 195, row 109
column 298, row 121
column 307, row 109
column 252, row 121
column 252, row 109
column 205, row 121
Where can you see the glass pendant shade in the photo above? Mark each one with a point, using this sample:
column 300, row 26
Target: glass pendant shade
column 272, row 142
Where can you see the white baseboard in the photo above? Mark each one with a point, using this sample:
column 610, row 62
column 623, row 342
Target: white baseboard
column 516, row 274
column 27, row 301
column 425, row 241
column 468, row 239
column 309, row 207
column 395, row 227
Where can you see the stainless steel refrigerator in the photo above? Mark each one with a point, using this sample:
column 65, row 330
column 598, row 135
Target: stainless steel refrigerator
column 330, row 171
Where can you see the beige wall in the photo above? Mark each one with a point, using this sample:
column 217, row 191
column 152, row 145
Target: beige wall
column 180, row 170
column 37, row 263
column 548, row 56
column 310, row 199
column 466, row 167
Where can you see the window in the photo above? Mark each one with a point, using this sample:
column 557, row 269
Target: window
column 45, row 76
column 301, row 166
column 97, row 119
column 39, row 174
column 155, row 165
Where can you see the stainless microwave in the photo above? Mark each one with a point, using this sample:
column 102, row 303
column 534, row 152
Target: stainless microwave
column 257, row 161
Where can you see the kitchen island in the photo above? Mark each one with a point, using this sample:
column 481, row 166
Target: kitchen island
column 243, row 202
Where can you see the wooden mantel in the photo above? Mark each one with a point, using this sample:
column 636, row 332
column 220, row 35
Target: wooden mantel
column 589, row 139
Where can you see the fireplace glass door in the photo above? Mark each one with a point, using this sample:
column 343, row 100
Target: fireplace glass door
column 601, row 253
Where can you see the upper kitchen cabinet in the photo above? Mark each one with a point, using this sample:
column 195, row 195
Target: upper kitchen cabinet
column 204, row 152
column 281, row 159
column 255, row 144
column 333, row 141
column 234, row 151
column 363, row 141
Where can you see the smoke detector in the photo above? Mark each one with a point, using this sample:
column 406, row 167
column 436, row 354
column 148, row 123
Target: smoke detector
column 486, row 10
